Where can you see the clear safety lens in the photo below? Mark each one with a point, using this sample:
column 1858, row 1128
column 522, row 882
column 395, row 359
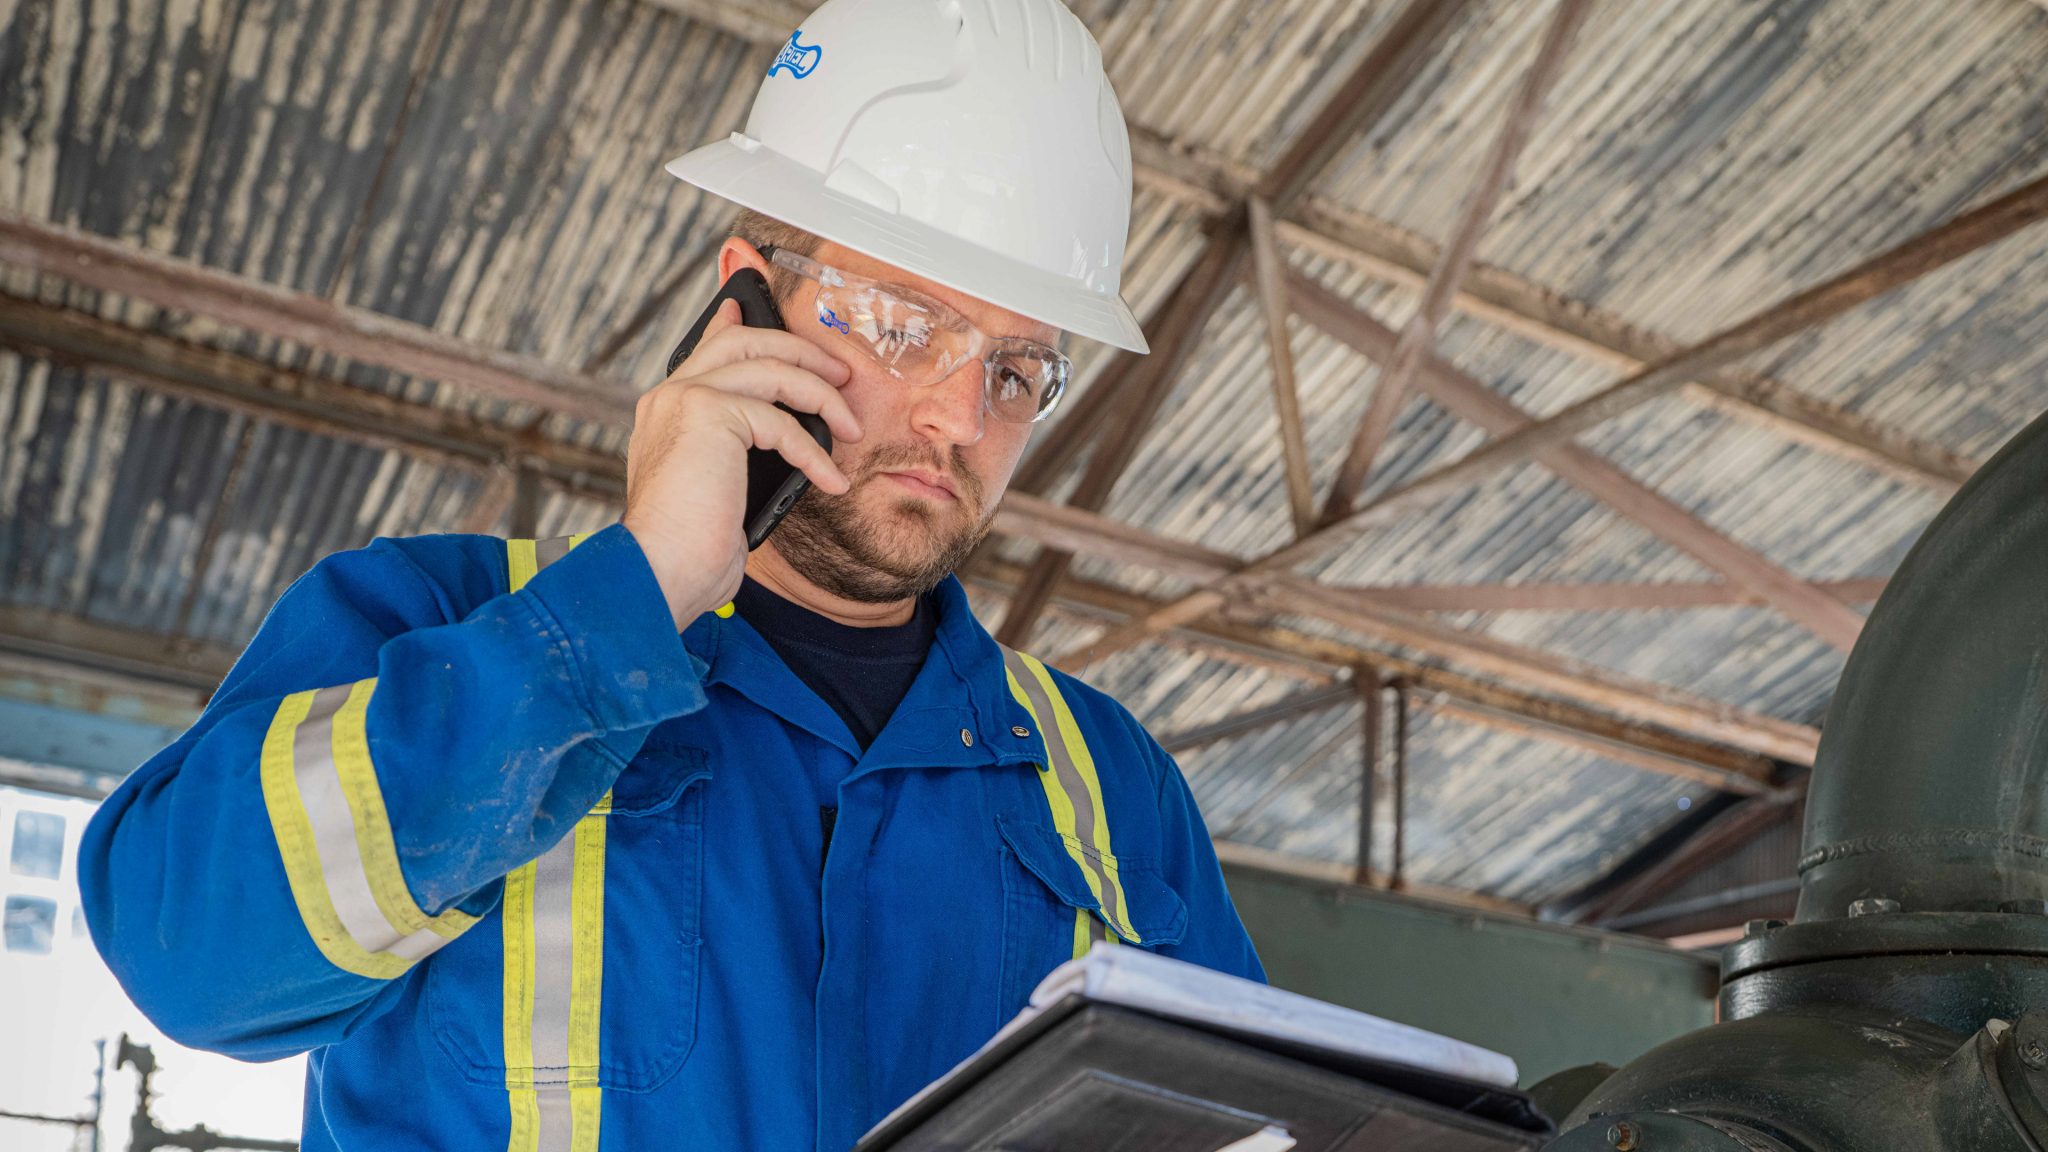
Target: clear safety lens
column 922, row 341
column 1025, row 380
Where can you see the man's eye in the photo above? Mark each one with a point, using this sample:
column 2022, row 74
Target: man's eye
column 1012, row 384
column 896, row 340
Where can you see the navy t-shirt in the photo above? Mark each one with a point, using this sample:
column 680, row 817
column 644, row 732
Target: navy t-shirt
column 863, row 673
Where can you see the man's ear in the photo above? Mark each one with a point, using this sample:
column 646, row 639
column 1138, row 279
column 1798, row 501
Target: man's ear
column 736, row 254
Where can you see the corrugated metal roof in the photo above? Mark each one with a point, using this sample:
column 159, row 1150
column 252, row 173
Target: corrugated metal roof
column 1696, row 161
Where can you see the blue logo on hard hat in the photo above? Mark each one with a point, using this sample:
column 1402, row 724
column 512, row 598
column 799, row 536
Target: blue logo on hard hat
column 800, row 59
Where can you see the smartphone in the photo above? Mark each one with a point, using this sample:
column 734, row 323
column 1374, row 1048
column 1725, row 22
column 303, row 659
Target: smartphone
column 773, row 484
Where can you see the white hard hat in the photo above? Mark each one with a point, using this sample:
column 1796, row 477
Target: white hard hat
column 976, row 143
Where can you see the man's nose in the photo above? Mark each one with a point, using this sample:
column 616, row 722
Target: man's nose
column 951, row 410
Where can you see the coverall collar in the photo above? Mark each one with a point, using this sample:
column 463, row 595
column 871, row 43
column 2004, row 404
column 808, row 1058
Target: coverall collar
column 962, row 689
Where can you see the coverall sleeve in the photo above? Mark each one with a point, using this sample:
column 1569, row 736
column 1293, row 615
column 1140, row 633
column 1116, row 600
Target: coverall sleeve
column 366, row 774
column 1215, row 937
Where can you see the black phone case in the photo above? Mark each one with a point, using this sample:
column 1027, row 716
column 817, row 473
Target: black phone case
column 773, row 484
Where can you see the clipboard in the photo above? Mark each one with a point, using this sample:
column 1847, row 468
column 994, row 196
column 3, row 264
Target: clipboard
column 1082, row 1075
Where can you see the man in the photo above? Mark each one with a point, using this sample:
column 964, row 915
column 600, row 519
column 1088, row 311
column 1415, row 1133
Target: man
column 641, row 840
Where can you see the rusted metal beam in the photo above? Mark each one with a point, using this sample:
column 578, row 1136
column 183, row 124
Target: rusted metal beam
column 1397, row 875
column 1269, row 269
column 1727, row 768
column 492, row 504
column 72, row 640
column 1027, row 517
column 526, row 501
column 1367, row 684
column 1244, row 723
column 1555, row 675
column 1471, row 400
column 1544, row 316
column 1591, row 597
column 1886, row 272
column 1782, row 892
column 1632, row 755
column 306, row 401
column 1418, row 339
column 359, row 334
column 1724, row 834
column 1032, row 596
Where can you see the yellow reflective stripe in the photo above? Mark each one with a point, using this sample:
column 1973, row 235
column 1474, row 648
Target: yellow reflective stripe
column 553, row 912
column 1116, row 907
column 379, row 853
column 520, row 562
column 1062, row 806
column 1088, row 931
column 586, row 980
column 1055, row 794
column 333, row 834
column 516, row 910
column 525, row 558
column 292, row 828
column 1085, row 832
column 554, row 992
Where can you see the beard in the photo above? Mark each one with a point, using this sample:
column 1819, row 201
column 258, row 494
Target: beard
column 899, row 551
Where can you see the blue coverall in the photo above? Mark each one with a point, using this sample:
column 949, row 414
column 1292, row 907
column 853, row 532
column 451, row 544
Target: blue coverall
column 522, row 869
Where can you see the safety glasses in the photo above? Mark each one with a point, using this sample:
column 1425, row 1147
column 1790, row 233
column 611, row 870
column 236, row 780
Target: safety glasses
column 921, row 341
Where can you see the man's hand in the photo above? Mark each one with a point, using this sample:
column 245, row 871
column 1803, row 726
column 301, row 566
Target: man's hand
column 686, row 465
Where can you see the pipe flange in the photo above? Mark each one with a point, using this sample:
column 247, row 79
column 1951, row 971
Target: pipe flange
column 1887, row 934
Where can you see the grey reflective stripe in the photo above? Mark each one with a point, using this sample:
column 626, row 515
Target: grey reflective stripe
column 546, row 552
column 554, row 890
column 1070, row 779
column 334, row 836
column 554, row 959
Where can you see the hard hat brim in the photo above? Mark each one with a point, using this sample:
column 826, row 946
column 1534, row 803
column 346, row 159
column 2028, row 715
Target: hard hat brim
column 762, row 179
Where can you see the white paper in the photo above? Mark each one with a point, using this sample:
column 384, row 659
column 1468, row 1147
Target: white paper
column 1178, row 990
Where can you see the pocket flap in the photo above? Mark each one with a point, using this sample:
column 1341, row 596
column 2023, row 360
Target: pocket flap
column 1154, row 912
column 657, row 778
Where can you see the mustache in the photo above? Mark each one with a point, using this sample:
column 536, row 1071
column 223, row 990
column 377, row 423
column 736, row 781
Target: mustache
column 902, row 455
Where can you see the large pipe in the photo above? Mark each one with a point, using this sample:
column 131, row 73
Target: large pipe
column 1906, row 1006
column 1929, row 786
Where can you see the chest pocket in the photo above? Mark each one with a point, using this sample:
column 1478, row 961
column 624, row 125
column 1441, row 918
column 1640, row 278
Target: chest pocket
column 585, row 978
column 1066, row 887
column 1052, row 913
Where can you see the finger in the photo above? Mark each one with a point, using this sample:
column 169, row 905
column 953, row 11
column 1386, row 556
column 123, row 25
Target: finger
column 778, row 382
column 728, row 314
column 770, row 428
column 734, row 343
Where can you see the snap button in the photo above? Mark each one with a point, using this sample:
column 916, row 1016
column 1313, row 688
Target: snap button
column 967, row 738
column 1019, row 730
